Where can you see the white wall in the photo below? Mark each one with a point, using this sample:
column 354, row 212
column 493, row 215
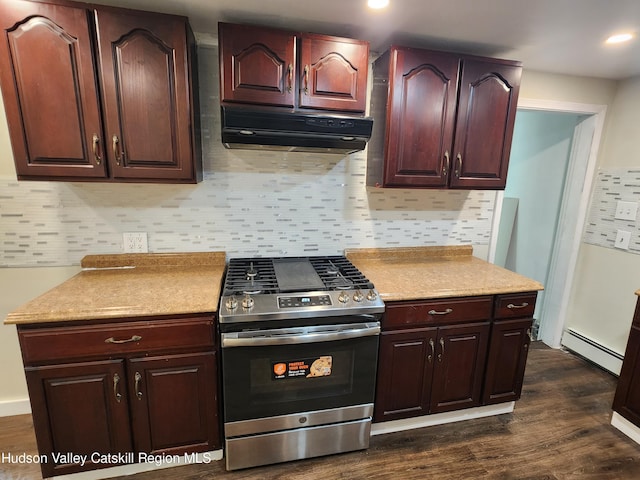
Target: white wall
column 602, row 300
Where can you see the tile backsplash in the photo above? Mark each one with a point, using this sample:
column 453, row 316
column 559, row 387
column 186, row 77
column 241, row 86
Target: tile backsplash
column 610, row 186
column 249, row 203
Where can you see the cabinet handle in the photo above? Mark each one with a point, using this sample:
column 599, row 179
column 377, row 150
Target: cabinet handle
column 444, row 312
column 522, row 305
column 116, row 154
column 95, row 143
column 138, row 379
column 442, row 347
column 116, row 382
column 134, row 338
column 290, row 78
column 447, row 163
column 433, row 350
column 306, row 79
column 458, row 170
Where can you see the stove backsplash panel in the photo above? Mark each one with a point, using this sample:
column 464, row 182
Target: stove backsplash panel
column 249, row 203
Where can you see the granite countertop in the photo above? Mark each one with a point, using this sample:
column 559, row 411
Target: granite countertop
column 415, row 273
column 131, row 285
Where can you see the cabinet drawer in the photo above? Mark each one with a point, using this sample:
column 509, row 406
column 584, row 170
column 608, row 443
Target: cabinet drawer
column 434, row 312
column 67, row 342
column 515, row 305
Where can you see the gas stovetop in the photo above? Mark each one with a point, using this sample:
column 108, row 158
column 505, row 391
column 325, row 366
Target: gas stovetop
column 295, row 287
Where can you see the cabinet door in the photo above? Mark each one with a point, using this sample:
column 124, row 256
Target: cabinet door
column 484, row 126
column 627, row 398
column 50, row 93
column 420, row 117
column 333, row 73
column 79, row 408
column 174, row 404
column 257, row 65
column 507, row 360
column 461, row 353
column 405, row 367
column 147, row 95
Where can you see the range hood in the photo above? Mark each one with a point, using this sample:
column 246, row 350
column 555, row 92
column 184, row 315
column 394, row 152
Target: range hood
column 293, row 131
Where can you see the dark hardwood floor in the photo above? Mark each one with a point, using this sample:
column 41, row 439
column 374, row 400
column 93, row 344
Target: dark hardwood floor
column 559, row 430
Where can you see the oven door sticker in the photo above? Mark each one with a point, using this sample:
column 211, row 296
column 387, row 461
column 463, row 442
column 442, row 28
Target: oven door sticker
column 306, row 368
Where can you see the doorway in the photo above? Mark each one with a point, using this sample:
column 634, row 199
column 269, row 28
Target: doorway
column 543, row 207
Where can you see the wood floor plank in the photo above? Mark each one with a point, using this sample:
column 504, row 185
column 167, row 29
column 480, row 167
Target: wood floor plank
column 559, row 430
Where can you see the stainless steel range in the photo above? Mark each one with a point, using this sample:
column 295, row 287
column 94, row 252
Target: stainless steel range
column 299, row 352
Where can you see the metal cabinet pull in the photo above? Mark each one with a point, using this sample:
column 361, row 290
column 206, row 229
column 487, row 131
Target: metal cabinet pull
column 458, row 170
column 138, row 379
column 134, row 338
column 447, row 164
column 116, row 392
column 116, row 154
column 445, row 312
column 95, row 143
column 442, row 347
column 290, row 78
column 306, row 79
column 522, row 305
column 433, row 350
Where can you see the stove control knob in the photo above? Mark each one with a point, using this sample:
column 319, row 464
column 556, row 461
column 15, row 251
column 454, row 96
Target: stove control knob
column 231, row 303
column 372, row 295
column 358, row 296
column 343, row 297
column 247, row 302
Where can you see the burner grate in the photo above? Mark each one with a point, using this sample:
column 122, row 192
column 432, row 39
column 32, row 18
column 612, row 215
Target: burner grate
column 260, row 276
column 250, row 275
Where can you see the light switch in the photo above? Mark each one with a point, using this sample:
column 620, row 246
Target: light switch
column 626, row 210
column 623, row 238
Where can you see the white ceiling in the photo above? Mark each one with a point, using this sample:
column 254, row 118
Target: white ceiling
column 562, row 36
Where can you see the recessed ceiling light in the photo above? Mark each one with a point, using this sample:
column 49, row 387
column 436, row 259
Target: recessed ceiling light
column 377, row 4
column 620, row 38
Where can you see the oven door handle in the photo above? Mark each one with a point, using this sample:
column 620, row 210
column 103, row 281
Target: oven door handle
column 261, row 340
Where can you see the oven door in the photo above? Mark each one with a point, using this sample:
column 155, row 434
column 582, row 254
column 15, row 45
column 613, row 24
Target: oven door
column 283, row 371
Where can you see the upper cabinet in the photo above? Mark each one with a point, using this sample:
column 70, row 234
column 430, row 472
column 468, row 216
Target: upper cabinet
column 441, row 120
column 127, row 113
column 265, row 66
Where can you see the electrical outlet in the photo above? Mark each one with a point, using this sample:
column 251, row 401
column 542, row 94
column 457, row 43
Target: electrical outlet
column 135, row 242
column 622, row 239
column 626, row 210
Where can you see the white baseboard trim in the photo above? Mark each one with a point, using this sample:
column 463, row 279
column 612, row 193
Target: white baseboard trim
column 14, row 407
column 592, row 350
column 626, row 427
column 131, row 469
column 441, row 418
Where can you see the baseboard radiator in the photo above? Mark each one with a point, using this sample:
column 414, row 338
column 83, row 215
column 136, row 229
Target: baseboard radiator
column 593, row 351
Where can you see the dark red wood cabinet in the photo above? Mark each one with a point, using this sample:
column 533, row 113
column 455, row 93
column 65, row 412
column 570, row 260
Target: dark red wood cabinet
column 125, row 386
column 626, row 401
column 509, row 347
column 442, row 120
column 405, row 372
column 435, row 362
column 127, row 113
column 453, row 353
column 266, row 66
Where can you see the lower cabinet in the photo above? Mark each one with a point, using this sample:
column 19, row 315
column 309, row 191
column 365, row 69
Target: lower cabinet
column 507, row 360
column 449, row 354
column 78, row 409
column 171, row 402
column 158, row 397
column 627, row 398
